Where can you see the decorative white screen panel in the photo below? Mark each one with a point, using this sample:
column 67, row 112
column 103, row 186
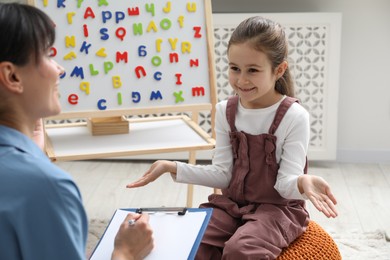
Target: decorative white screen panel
column 314, row 54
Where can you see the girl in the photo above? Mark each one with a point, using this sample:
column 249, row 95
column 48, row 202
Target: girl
column 262, row 137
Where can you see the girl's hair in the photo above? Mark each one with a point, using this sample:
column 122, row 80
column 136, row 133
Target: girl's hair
column 26, row 32
column 269, row 37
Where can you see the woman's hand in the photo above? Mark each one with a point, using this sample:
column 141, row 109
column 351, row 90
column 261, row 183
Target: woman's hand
column 39, row 134
column 157, row 169
column 318, row 192
column 133, row 241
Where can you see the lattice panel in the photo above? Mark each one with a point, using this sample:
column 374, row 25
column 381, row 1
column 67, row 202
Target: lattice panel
column 310, row 60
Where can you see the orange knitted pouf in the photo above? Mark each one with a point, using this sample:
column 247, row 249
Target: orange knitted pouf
column 314, row 244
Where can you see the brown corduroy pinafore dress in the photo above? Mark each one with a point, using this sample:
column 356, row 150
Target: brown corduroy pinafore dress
column 250, row 219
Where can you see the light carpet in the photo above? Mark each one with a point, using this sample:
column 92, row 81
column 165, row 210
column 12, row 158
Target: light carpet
column 352, row 245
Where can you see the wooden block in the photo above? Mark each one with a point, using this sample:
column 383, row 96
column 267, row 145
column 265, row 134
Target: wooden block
column 108, row 125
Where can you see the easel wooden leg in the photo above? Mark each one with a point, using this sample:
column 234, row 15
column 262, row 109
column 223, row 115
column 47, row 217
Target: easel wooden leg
column 190, row 195
column 190, row 187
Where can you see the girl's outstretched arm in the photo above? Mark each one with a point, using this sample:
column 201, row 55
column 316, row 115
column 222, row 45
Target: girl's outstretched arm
column 157, row 169
column 318, row 192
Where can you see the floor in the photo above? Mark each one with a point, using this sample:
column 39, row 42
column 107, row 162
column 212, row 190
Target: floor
column 362, row 190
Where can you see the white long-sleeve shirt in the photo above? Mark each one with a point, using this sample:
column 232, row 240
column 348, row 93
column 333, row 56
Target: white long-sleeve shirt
column 292, row 143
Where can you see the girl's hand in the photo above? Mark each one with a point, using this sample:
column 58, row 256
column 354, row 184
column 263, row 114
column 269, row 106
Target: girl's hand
column 156, row 170
column 319, row 193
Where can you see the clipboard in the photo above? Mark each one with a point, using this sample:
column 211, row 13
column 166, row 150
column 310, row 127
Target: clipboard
column 177, row 232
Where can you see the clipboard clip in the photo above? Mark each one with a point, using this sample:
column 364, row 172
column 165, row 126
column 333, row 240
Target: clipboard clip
column 180, row 210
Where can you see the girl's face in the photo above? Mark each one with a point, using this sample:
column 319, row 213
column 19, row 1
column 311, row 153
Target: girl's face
column 40, row 87
column 252, row 77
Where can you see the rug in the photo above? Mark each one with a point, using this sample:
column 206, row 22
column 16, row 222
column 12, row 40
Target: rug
column 352, row 245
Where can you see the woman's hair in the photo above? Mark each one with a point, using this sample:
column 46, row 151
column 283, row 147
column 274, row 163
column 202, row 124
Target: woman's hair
column 269, row 37
column 26, row 32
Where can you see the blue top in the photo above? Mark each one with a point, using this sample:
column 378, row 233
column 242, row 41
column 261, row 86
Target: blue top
column 41, row 211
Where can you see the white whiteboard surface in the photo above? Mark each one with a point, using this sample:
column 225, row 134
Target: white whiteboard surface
column 102, row 44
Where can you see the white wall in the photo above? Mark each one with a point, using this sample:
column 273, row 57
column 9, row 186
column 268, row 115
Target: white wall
column 364, row 94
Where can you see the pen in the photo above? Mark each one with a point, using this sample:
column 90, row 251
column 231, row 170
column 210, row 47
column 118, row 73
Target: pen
column 133, row 220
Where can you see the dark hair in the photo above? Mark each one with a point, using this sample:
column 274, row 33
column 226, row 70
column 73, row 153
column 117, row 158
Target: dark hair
column 25, row 31
column 269, row 37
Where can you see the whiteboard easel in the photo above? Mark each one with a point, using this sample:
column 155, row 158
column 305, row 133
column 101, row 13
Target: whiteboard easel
column 200, row 94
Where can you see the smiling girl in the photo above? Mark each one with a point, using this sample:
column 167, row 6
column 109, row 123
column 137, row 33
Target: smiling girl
column 259, row 162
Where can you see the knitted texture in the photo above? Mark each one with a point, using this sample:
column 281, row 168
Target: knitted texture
column 314, row 244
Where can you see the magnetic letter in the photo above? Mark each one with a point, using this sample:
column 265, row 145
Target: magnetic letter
column 194, row 63
column 156, row 61
column 101, row 104
column 186, row 47
column 141, row 51
column 158, row 44
column 116, row 82
column 120, row 33
column 103, row 32
column 70, row 17
column 84, row 86
column 178, row 96
column 155, row 95
column 78, row 72
column 178, row 79
column 101, row 52
column 197, row 33
column 85, row 47
column 191, row 7
column 121, row 56
column 133, row 11
column 140, row 70
column 136, row 97
column 167, row 8
column 157, row 75
column 85, row 28
column 119, row 96
column 119, row 16
column 73, row 99
column 92, row 70
column 173, row 57
column 198, row 91
column 181, row 21
column 60, row 3
column 137, row 28
column 53, row 52
column 89, row 13
column 165, row 24
column 106, row 15
column 79, row 3
column 102, row 2
column 70, row 56
column 173, row 43
column 108, row 66
column 151, row 26
column 150, row 8
column 70, row 41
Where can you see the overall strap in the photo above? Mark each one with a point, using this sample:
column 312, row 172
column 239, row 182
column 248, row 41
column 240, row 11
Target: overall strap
column 282, row 109
column 280, row 112
column 231, row 109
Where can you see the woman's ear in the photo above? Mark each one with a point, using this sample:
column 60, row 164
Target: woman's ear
column 281, row 69
column 9, row 77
